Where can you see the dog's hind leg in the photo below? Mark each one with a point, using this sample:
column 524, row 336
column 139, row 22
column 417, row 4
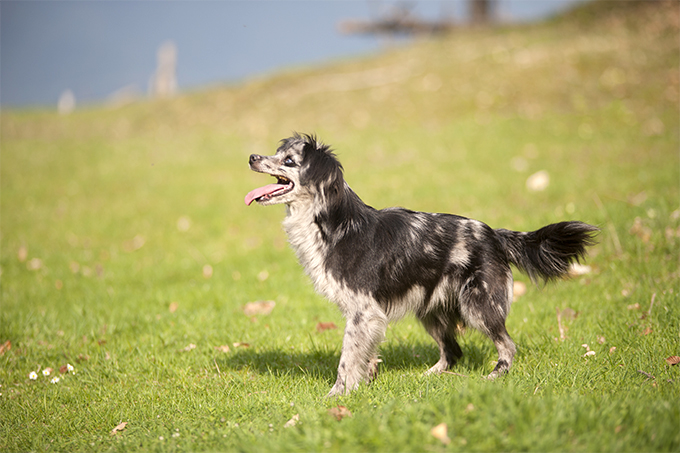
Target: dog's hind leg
column 485, row 306
column 444, row 333
column 364, row 331
column 505, row 347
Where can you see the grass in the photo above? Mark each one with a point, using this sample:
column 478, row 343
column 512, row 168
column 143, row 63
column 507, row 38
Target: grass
column 125, row 241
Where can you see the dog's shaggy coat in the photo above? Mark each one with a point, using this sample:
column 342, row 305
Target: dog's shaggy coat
column 379, row 265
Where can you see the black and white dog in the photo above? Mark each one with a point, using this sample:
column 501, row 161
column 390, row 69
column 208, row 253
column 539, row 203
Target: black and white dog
column 379, row 265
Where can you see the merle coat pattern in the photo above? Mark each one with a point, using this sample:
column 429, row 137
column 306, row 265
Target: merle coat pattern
column 379, row 265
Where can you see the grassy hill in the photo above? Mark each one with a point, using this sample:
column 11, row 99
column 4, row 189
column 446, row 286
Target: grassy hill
column 128, row 253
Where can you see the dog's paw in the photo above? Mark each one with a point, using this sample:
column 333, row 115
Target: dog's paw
column 501, row 369
column 373, row 368
column 438, row 368
column 337, row 391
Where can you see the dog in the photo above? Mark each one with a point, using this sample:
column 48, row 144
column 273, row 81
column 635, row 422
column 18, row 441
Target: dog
column 379, row 265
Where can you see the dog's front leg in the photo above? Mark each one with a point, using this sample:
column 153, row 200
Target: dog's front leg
column 364, row 331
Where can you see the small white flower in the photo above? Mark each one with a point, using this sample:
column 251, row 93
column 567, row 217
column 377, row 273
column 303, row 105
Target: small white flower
column 33, row 375
column 69, row 367
column 54, row 380
column 46, row 372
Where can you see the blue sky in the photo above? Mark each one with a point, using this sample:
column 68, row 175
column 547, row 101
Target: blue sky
column 95, row 48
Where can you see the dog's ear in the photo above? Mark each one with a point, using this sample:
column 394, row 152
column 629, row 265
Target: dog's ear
column 320, row 167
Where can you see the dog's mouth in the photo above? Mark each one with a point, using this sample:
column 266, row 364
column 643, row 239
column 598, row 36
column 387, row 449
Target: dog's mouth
column 266, row 193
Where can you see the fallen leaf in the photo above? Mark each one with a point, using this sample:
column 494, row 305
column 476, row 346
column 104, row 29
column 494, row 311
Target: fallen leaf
column 637, row 199
column 518, row 290
column 612, row 350
column 320, row 327
column 262, row 307
column 441, row 432
column 241, row 345
column 293, row 421
column 22, row 253
column 589, row 353
column 673, row 360
column 568, row 314
column 134, row 244
column 34, row 264
column 339, row 412
column 189, row 347
column 119, row 428
column 601, row 339
column 577, row 269
column 647, row 331
column 6, row 346
column 538, row 182
column 173, row 307
column 63, row 369
column 183, row 223
column 223, row 348
column 640, row 230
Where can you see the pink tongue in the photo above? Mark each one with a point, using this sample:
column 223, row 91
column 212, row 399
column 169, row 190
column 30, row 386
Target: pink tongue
column 262, row 191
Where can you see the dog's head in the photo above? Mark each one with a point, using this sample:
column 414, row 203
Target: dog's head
column 304, row 169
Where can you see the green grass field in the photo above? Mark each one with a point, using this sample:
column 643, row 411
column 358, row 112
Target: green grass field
column 128, row 253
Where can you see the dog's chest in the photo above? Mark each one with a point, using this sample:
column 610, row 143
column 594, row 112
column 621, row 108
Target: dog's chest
column 306, row 240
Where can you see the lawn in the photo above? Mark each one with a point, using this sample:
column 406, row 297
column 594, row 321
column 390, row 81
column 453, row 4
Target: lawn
column 128, row 253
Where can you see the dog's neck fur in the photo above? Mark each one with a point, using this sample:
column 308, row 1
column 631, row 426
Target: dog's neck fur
column 316, row 223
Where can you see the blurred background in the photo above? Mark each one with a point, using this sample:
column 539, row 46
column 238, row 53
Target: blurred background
column 114, row 52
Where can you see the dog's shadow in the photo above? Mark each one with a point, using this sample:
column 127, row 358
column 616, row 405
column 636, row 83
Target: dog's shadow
column 322, row 364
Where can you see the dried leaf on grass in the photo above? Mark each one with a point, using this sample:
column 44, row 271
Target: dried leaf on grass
column 518, row 290
column 640, row 230
column 441, row 432
column 223, row 348
column 339, row 412
column 322, row 326
column 293, row 421
column 120, row 427
column 134, row 244
column 188, row 348
column 34, row 264
column 673, row 360
column 577, row 269
column 6, row 346
column 22, row 254
column 238, row 344
column 262, row 307
column 538, row 182
column 173, row 307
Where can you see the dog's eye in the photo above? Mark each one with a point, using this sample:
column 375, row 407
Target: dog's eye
column 288, row 162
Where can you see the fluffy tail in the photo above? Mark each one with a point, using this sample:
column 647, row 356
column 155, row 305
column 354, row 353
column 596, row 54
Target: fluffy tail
column 547, row 253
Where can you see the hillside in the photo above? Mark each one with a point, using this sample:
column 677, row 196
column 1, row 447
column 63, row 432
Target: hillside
column 127, row 250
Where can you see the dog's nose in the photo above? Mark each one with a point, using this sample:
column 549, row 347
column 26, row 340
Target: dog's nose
column 254, row 158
